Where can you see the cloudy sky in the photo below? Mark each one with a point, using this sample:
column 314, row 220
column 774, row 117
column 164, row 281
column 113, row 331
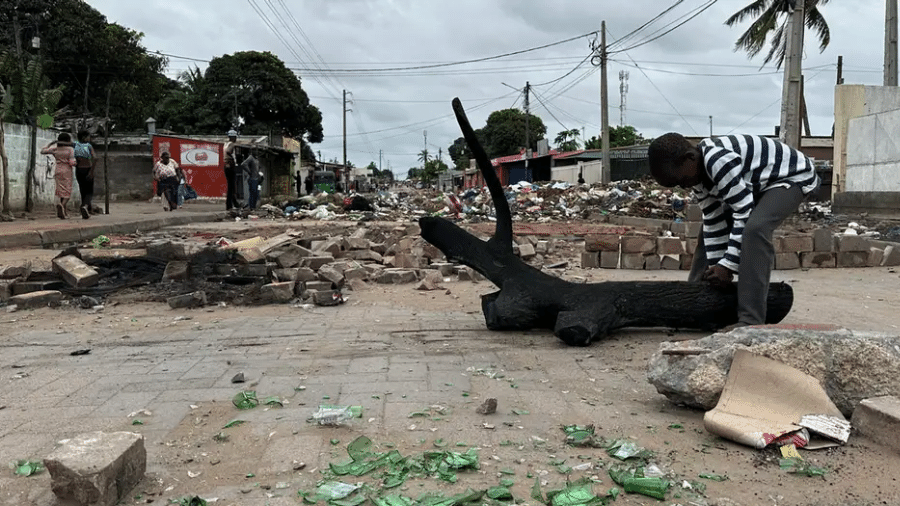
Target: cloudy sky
column 395, row 56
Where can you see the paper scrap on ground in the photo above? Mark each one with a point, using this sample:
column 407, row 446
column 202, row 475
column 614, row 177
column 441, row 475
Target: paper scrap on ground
column 764, row 399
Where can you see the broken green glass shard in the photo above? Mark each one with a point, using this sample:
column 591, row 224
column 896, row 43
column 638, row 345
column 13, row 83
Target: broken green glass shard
column 273, row 401
column 245, row 400
column 499, row 493
column 233, row 423
column 713, row 477
column 27, row 467
column 651, row 487
column 577, row 493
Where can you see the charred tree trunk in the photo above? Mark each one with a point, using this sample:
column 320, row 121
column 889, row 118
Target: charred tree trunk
column 577, row 313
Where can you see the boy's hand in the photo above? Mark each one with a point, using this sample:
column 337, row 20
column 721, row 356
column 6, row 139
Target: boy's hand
column 718, row 276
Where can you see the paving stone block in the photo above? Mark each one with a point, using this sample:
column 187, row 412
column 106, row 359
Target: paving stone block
column 686, row 229
column 358, row 243
column 876, row 256
column 397, row 276
column 364, row 254
column 690, row 245
column 652, row 262
column 278, row 292
column 97, row 469
column 609, row 259
column 813, row 259
column 23, row 287
column 188, row 300
column 5, row 289
column 286, row 274
column 327, row 297
column 42, row 298
column 315, row 262
column 823, row 240
column 526, row 251
column 318, row 285
column 331, row 273
column 356, row 273
column 878, row 418
column 891, row 256
column 176, row 270
column 590, row 259
column 542, row 247
column 15, row 271
column 692, row 212
column 306, row 274
column 852, row 258
column 632, row 260
column 602, row 242
column 75, row 272
column 787, row 261
column 408, row 261
column 445, row 268
column 638, row 244
column 670, row 262
column 686, row 262
column 669, row 246
column 795, row 244
column 845, row 243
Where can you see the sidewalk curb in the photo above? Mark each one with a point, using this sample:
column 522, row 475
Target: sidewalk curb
column 49, row 238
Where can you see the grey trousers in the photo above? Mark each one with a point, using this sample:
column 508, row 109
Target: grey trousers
column 757, row 252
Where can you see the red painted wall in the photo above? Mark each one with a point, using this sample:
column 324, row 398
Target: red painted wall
column 201, row 161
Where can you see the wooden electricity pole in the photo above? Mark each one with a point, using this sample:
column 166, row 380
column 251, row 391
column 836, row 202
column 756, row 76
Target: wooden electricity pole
column 106, row 152
column 890, row 43
column 606, row 174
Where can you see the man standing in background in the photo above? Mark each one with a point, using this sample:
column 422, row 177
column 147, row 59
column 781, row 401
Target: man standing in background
column 250, row 167
column 230, row 171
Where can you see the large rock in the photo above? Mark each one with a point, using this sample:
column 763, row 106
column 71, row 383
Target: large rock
column 97, row 469
column 851, row 366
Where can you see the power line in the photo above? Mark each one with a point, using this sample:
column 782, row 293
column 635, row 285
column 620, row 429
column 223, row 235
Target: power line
column 698, row 10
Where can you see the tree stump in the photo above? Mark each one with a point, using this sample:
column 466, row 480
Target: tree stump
column 577, row 313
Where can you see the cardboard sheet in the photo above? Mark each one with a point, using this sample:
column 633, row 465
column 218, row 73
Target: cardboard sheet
column 764, row 399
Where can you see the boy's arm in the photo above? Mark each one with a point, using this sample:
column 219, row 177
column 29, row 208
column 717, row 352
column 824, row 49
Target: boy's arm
column 727, row 170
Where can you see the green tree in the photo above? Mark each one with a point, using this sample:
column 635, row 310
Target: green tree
column 87, row 56
column 424, row 156
column 567, row 140
column 432, row 169
column 460, row 154
column 620, row 136
column 772, row 16
column 373, row 169
column 414, row 173
column 504, row 132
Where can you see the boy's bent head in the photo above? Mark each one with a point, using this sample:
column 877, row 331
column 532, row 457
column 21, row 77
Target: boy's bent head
column 668, row 154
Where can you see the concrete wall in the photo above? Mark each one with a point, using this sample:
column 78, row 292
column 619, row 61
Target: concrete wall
column 17, row 138
column 872, row 163
column 853, row 101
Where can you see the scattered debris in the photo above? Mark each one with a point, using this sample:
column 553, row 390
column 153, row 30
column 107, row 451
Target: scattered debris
column 488, row 407
column 26, row 467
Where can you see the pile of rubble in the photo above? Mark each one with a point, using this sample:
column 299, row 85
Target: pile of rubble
column 290, row 267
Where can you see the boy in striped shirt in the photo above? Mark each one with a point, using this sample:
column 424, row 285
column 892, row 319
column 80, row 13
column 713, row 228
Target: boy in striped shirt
column 746, row 186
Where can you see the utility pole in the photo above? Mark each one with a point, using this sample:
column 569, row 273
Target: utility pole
column 623, row 93
column 791, row 89
column 710, row 126
column 106, row 152
column 890, row 43
column 606, row 174
column 527, row 129
column 840, row 70
column 346, row 175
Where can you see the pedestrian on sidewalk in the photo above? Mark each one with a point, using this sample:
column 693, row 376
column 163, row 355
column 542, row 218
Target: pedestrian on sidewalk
column 85, row 162
column 230, row 171
column 64, row 154
column 182, row 186
column 250, row 167
column 746, row 186
column 165, row 172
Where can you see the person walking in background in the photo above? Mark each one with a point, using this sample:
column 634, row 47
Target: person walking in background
column 182, row 185
column 298, row 180
column 580, row 178
column 250, row 167
column 230, row 171
column 85, row 161
column 165, row 172
column 746, row 186
column 308, row 182
column 64, row 154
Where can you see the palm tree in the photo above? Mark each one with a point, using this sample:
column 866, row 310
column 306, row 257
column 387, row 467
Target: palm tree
column 773, row 15
column 423, row 156
column 567, row 140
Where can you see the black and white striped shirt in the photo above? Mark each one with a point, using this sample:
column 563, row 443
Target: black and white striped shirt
column 741, row 168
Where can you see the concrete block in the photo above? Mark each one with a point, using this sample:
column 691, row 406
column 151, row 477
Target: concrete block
column 602, row 242
column 327, row 297
column 851, row 243
column 408, row 261
column 609, row 259
column 686, row 229
column 590, row 259
column 876, row 255
column 5, row 289
column 306, row 274
column 329, row 272
column 786, row 261
column 878, row 418
column 669, row 246
column 891, row 256
column 795, row 244
column 364, row 255
column 15, row 271
column 23, row 287
column 632, row 260
column 638, row 244
column 278, row 292
column 526, row 251
column 690, row 245
column 333, row 246
column 670, row 262
column 315, row 262
column 397, row 276
column 356, row 273
column 188, row 300
column 250, row 255
column 42, row 298
column 97, row 469
column 283, row 275
column 176, row 270
column 445, row 268
column 542, row 247
column 823, row 240
column 692, row 212
column 357, row 243
column 686, row 262
column 75, row 272
column 813, row 259
column 652, row 262
column 430, row 252
column 852, row 258
column 318, row 285
column 291, row 256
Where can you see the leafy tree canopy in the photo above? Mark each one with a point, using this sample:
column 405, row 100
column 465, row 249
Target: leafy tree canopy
column 85, row 55
column 771, row 18
column 504, row 133
column 460, row 154
column 625, row 135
